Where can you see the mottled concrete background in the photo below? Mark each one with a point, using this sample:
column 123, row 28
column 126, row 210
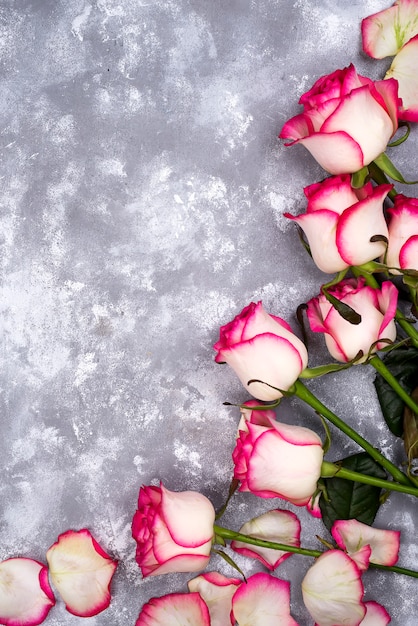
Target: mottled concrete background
column 142, row 191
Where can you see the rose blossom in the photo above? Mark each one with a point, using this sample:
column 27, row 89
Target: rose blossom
column 275, row 460
column 173, row 531
column 402, row 251
column 347, row 120
column 340, row 221
column 261, row 346
column 377, row 308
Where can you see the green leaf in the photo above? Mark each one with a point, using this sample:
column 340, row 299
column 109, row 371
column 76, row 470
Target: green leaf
column 398, row 142
column 403, row 364
column 351, row 500
column 386, row 165
column 346, row 312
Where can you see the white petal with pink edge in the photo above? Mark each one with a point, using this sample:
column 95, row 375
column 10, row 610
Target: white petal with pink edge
column 352, row 535
column 408, row 256
column 189, row 516
column 25, row 595
column 263, row 601
column 337, row 152
column 175, row 609
column 82, row 572
column 376, row 615
column 404, row 69
column 385, row 33
column 332, row 590
column 217, row 591
column 278, row 526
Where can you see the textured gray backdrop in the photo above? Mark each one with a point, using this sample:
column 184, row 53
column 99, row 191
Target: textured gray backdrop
column 142, row 190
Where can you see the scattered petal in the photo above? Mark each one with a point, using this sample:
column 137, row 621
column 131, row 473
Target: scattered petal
column 404, row 69
column 277, row 525
column 25, row 595
column 175, row 609
column 263, row 601
column 376, row 615
column 82, row 572
column 385, row 33
column 217, row 591
column 352, row 535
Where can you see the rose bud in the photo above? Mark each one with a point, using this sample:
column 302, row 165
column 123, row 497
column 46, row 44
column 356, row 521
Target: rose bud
column 340, row 221
column 347, row 120
column 261, row 346
column 377, row 308
column 274, row 460
column 402, row 251
column 173, row 531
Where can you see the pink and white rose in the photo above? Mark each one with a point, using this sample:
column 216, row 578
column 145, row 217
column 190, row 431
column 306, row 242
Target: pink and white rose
column 347, row 120
column 274, row 460
column 377, row 308
column 278, row 526
column 402, row 251
column 173, row 531
column 340, row 221
column 261, row 346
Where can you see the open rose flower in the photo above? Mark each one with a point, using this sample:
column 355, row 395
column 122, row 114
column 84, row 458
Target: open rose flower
column 261, row 346
column 377, row 308
column 275, row 460
column 173, row 531
column 347, row 120
column 402, row 251
column 340, row 221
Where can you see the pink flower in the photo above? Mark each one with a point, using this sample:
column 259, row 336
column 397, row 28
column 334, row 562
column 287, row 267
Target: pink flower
column 340, row 221
column 261, row 346
column 402, row 250
column 352, row 536
column 384, row 33
column 278, row 526
column 377, row 308
column 263, row 601
column 25, row 594
column 275, row 460
column 174, row 609
column 217, row 591
column 82, row 572
column 173, row 531
column 347, row 120
column 332, row 590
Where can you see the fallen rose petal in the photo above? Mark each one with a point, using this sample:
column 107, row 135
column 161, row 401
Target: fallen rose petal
column 81, row 572
column 376, row 615
column 278, row 526
column 217, row 591
column 404, row 69
column 408, row 256
column 263, row 601
column 175, row 609
column 313, row 506
column 384, row 33
column 351, row 535
column 332, row 590
column 25, row 594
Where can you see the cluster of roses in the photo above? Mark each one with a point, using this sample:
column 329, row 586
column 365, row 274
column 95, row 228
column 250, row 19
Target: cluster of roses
column 346, row 124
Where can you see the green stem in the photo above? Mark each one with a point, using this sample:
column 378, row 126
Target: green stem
column 231, row 535
column 307, row 396
column 381, row 368
column 331, row 469
column 399, row 316
column 380, row 178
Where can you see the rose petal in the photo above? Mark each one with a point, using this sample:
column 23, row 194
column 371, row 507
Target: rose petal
column 25, row 595
column 332, row 590
column 278, row 526
column 313, row 506
column 384, row 33
column 263, row 601
column 217, row 591
column 404, row 69
column 408, row 256
column 336, row 152
column 82, row 572
column 188, row 530
column 335, row 194
column 175, row 609
column 351, row 535
column 376, row 615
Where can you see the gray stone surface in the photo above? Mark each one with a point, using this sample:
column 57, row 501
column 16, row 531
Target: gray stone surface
column 142, row 190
